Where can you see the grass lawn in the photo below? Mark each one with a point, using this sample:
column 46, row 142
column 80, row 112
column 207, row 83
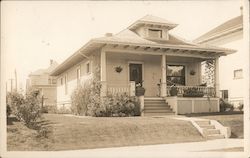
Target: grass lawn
column 71, row 133
column 234, row 120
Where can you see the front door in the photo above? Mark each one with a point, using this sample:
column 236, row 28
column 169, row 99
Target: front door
column 135, row 73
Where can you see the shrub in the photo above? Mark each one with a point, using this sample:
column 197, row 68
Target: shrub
column 117, row 106
column 225, row 106
column 30, row 111
column 8, row 110
column 86, row 97
column 241, row 106
column 193, row 92
column 14, row 100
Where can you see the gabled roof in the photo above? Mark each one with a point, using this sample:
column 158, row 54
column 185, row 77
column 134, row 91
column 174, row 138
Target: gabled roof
column 225, row 28
column 53, row 65
column 129, row 38
column 152, row 20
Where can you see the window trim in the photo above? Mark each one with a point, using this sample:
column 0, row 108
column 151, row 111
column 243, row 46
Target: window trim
column 155, row 29
column 66, row 84
column 78, row 74
column 240, row 77
column 88, row 63
column 178, row 64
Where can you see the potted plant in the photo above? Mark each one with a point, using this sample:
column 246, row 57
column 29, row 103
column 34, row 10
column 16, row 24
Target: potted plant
column 139, row 90
column 173, row 90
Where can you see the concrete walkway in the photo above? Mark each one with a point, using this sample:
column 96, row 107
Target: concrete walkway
column 164, row 150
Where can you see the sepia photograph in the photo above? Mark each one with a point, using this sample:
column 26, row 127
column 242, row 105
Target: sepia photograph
column 125, row 78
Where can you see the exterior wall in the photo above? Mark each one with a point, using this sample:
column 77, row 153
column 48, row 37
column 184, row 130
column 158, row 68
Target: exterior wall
column 64, row 99
column 151, row 71
column 228, row 64
column 49, row 95
column 39, row 79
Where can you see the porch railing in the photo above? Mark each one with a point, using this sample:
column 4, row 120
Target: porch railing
column 208, row 91
column 121, row 89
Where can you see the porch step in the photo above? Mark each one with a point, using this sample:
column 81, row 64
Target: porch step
column 156, row 107
column 159, row 114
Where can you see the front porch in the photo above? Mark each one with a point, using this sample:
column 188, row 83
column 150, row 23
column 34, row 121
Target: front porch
column 157, row 70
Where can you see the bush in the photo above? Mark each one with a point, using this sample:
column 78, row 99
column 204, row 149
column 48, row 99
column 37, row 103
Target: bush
column 225, row 106
column 8, row 110
column 241, row 106
column 117, row 106
column 193, row 92
column 30, row 111
column 86, row 96
column 86, row 100
column 26, row 109
column 14, row 100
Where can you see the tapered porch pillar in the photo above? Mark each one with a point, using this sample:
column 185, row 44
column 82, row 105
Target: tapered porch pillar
column 103, row 73
column 217, row 81
column 163, row 76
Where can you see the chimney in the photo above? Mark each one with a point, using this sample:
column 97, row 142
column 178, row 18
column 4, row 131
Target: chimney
column 108, row 34
column 51, row 62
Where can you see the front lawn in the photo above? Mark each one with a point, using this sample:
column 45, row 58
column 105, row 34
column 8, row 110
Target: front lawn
column 71, row 133
column 234, row 120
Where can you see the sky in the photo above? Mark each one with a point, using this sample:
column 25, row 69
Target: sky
column 32, row 33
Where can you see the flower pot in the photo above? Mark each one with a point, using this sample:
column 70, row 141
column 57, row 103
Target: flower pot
column 173, row 91
column 139, row 91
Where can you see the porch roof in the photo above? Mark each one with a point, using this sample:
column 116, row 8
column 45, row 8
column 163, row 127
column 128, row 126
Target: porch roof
column 128, row 39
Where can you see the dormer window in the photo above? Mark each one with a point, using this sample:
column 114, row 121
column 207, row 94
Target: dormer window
column 154, row 33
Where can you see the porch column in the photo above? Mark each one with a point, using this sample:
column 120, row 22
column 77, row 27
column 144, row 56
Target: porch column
column 103, row 74
column 217, row 81
column 163, row 76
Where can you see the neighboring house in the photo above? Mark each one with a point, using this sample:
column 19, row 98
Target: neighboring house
column 229, row 35
column 148, row 54
column 46, row 84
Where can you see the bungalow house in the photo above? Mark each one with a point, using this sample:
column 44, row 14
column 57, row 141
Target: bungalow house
column 46, row 84
column 147, row 53
column 229, row 34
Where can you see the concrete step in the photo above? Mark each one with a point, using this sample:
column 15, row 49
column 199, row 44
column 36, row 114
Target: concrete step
column 156, row 105
column 215, row 136
column 211, row 131
column 153, row 98
column 203, row 123
column 207, row 126
column 157, row 108
column 158, row 114
column 157, row 111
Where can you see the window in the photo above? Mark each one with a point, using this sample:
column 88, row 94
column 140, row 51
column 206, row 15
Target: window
column 154, row 33
column 78, row 74
column 238, row 74
column 224, row 94
column 66, row 84
column 61, row 81
column 176, row 74
column 53, row 81
column 88, row 68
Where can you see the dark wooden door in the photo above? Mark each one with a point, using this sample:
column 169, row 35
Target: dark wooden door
column 135, row 73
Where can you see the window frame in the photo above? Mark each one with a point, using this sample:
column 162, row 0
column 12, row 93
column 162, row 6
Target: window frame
column 78, row 74
column 184, row 73
column 66, row 84
column 238, row 77
column 88, row 68
column 155, row 29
